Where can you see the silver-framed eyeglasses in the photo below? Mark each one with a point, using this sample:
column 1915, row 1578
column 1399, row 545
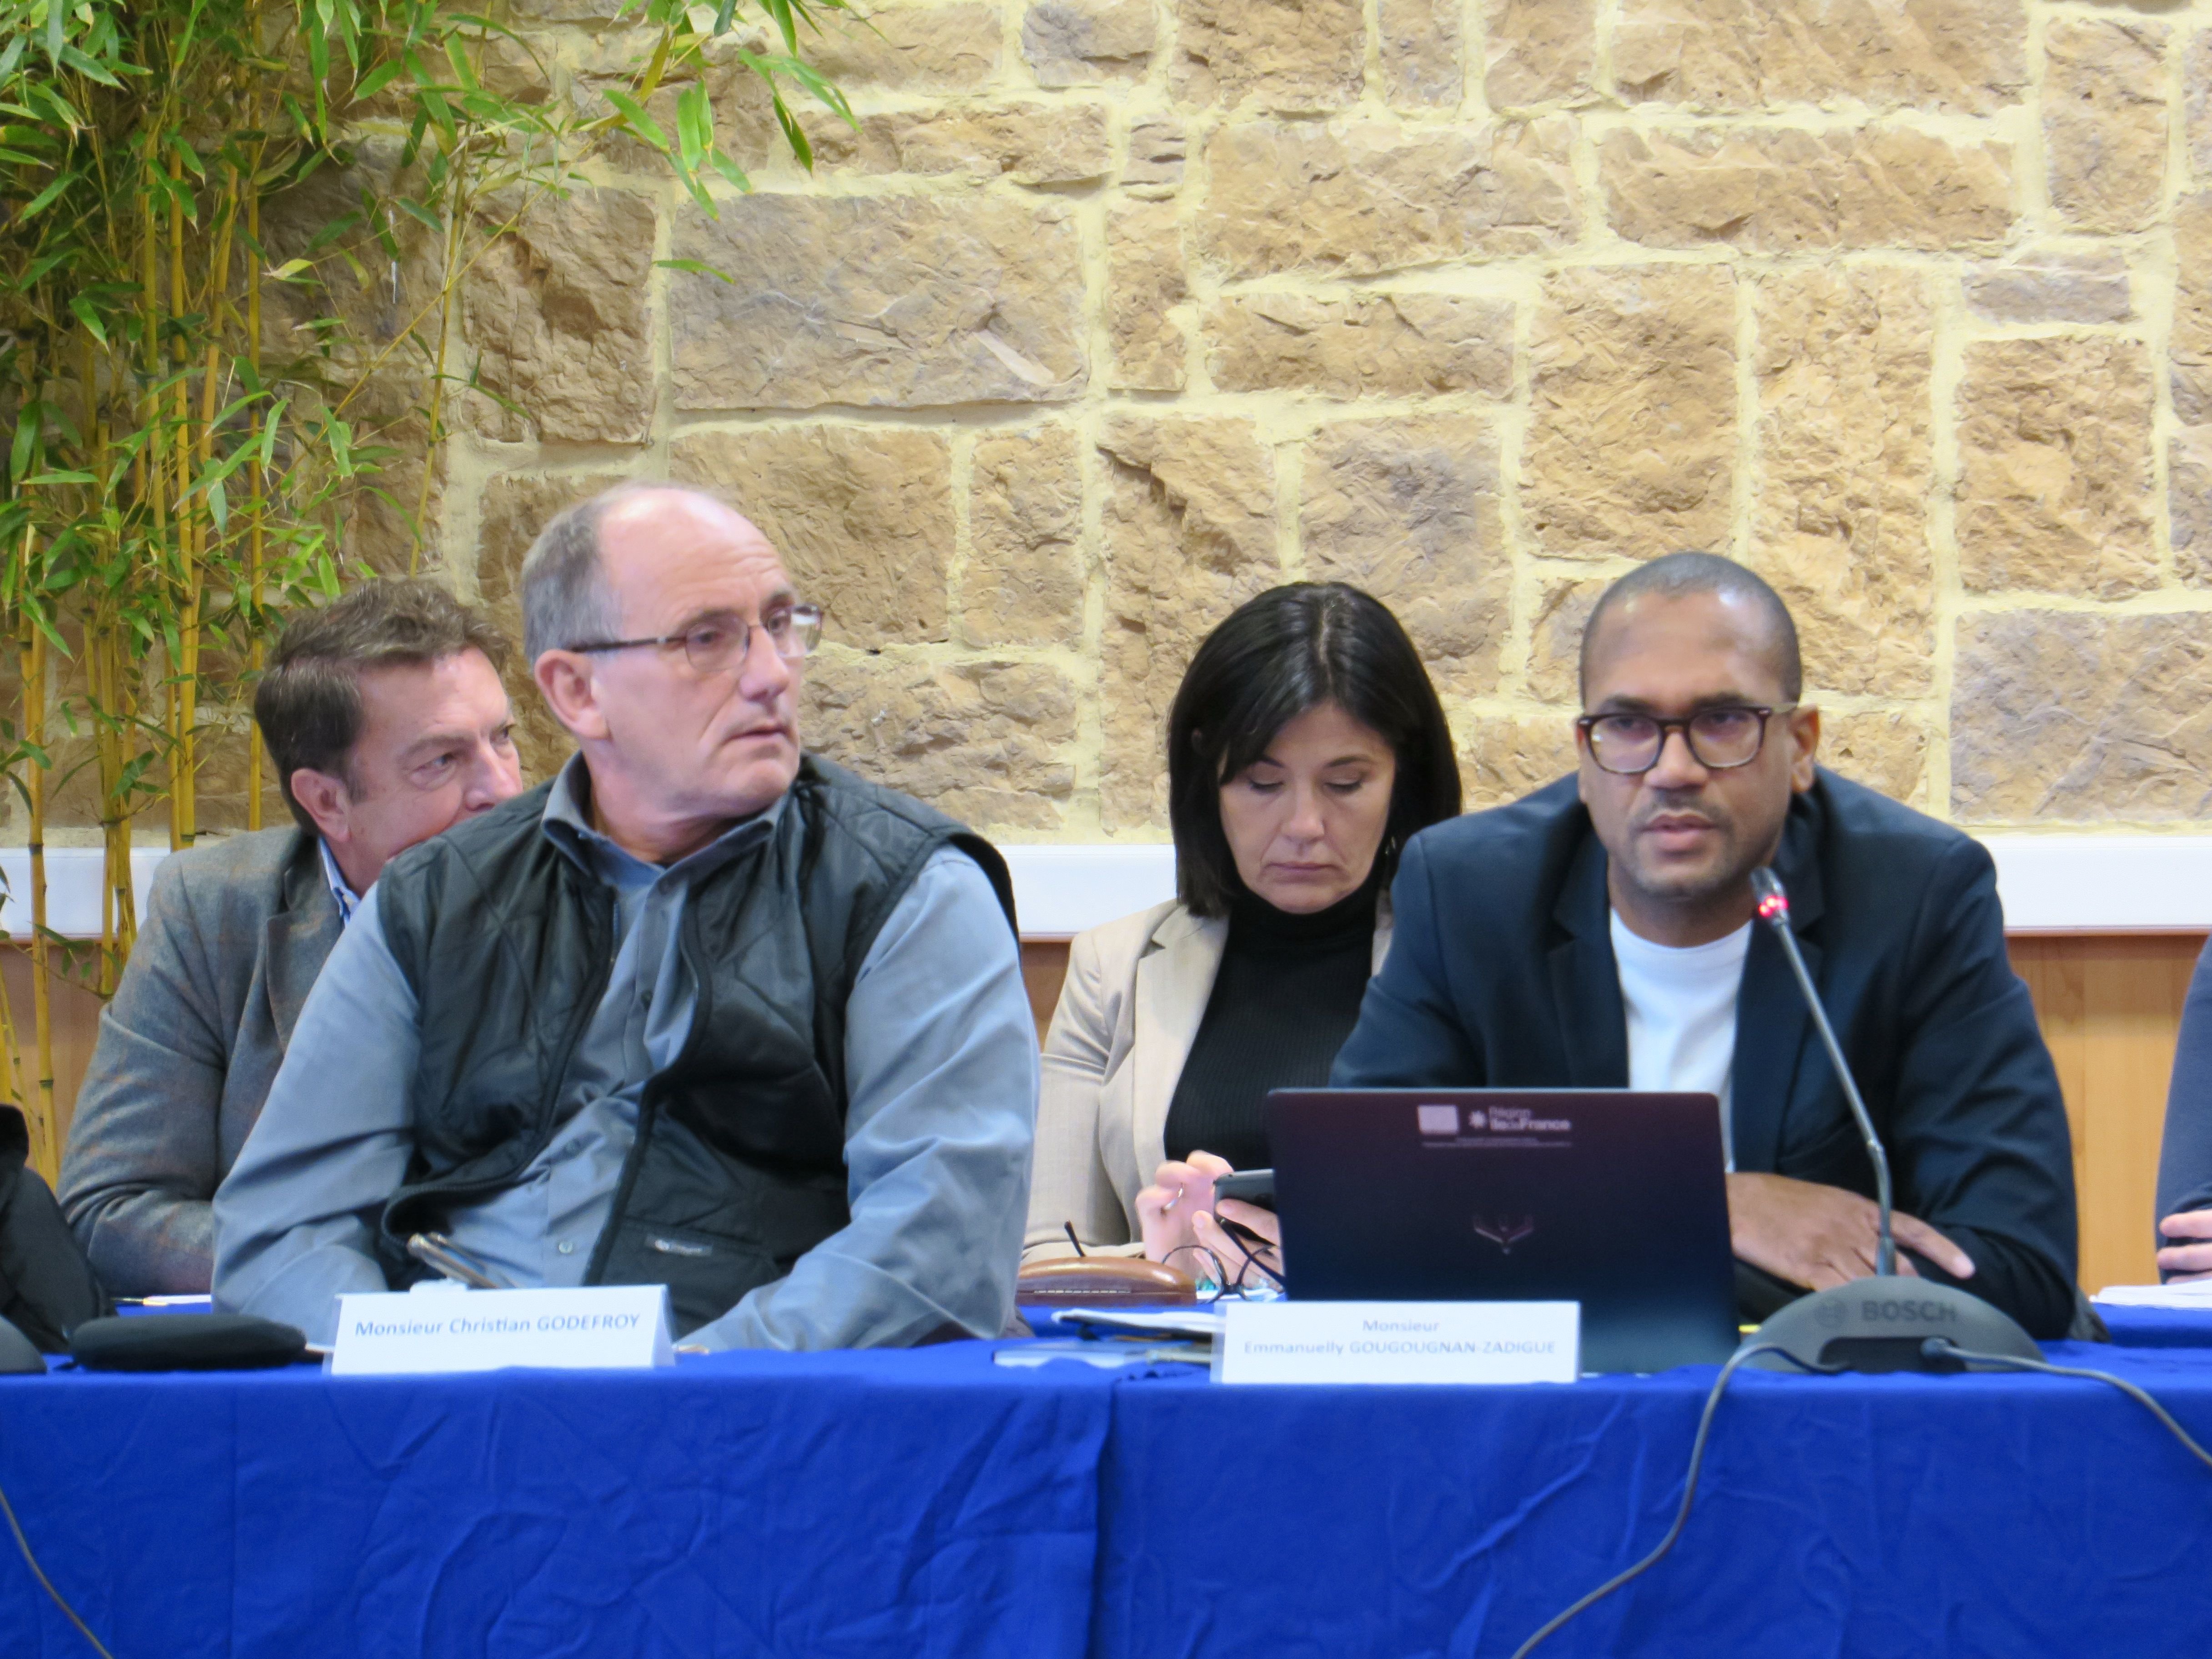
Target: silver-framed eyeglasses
column 723, row 640
column 1719, row 738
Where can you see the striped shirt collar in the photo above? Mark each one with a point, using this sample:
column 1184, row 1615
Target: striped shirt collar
column 336, row 877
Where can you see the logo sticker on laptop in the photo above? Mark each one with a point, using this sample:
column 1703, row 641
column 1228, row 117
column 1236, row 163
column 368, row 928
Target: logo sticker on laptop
column 1438, row 1119
column 1505, row 1231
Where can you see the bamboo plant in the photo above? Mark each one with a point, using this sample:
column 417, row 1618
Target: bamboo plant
column 196, row 407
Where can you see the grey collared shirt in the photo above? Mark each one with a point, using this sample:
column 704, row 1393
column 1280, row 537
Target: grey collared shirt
column 941, row 1057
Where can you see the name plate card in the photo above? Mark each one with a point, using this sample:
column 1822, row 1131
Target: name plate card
column 1459, row 1342
column 591, row 1327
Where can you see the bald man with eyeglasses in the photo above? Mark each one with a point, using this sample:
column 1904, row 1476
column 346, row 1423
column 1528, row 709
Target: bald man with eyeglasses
column 1599, row 934
column 705, row 1011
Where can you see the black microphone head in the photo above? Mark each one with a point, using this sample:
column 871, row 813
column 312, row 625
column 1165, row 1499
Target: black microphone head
column 1773, row 901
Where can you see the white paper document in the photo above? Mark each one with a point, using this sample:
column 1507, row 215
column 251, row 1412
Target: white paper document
column 2196, row 1294
column 1340, row 1342
column 592, row 1326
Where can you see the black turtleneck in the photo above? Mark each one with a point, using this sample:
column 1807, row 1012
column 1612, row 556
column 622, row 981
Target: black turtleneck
column 1286, row 997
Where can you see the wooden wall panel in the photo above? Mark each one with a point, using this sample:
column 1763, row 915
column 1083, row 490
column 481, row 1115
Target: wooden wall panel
column 2110, row 1006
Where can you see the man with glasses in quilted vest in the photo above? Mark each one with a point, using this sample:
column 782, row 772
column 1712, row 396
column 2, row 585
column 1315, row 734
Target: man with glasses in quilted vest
column 705, row 1011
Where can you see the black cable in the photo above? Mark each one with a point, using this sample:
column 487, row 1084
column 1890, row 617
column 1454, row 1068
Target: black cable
column 1944, row 1346
column 1689, row 1493
column 45, row 1582
column 1933, row 1347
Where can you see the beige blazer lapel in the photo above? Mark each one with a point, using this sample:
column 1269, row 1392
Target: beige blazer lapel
column 1175, row 977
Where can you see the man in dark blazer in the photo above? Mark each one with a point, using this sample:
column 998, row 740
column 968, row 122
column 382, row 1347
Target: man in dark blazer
column 1561, row 941
column 386, row 721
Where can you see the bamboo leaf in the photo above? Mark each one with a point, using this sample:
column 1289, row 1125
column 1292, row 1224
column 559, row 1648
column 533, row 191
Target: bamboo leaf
column 694, row 125
column 696, row 268
column 733, row 173
column 47, row 197
column 289, row 268
column 637, row 120
column 377, row 79
column 781, row 11
column 794, row 134
column 457, row 56
column 81, row 305
column 72, row 58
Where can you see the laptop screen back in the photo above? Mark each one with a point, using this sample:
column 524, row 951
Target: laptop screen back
column 1608, row 1198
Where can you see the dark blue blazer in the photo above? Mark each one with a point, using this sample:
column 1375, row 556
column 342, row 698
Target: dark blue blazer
column 1501, row 974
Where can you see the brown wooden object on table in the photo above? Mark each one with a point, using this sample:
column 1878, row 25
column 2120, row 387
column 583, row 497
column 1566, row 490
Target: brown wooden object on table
column 1090, row 1281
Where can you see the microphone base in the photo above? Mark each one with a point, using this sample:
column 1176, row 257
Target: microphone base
column 1880, row 1324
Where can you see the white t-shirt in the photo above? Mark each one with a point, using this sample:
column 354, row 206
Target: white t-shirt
column 1681, row 1015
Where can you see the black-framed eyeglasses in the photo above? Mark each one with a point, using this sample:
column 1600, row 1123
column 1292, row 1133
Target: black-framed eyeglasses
column 1719, row 738
column 718, row 643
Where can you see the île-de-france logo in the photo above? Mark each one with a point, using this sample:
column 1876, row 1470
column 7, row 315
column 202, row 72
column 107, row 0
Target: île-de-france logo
column 1505, row 1231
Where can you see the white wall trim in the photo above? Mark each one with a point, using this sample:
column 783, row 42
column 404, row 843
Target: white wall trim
column 2049, row 884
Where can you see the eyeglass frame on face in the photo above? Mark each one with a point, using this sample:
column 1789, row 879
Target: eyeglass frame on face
column 806, row 631
column 1685, row 724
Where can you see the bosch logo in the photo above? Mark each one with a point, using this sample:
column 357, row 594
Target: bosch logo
column 1901, row 1312
column 1829, row 1316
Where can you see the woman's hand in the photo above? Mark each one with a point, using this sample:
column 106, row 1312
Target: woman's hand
column 1176, row 1214
column 1179, row 1192
column 1245, row 1265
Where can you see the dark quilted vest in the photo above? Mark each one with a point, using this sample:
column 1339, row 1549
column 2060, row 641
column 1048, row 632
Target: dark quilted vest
column 740, row 1165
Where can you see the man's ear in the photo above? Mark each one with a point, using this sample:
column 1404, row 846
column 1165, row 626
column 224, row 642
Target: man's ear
column 1805, row 727
column 564, row 679
column 327, row 800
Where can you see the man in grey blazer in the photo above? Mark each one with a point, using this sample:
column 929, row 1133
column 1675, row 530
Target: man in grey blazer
column 386, row 722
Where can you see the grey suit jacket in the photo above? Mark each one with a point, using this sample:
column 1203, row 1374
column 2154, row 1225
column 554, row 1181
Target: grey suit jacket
column 235, row 932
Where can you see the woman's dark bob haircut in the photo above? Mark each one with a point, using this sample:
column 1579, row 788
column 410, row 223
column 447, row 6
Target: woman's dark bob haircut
column 1291, row 649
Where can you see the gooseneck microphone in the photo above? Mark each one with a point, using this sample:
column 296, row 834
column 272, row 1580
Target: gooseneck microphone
column 1883, row 1323
column 1774, row 911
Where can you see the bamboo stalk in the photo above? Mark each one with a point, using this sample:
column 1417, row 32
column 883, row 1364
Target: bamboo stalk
column 184, row 768
column 187, row 517
column 45, row 1144
column 254, row 656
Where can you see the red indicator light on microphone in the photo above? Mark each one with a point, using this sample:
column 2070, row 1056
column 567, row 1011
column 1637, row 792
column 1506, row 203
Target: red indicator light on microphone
column 1771, row 905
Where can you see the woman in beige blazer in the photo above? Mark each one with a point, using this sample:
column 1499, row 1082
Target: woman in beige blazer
column 1304, row 746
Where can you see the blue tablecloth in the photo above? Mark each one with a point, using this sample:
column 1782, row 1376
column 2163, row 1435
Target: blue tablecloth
column 1930, row 1516
column 851, row 1503
column 933, row 1504
column 2158, row 1328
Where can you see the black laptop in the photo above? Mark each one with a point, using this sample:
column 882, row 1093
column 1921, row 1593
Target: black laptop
column 1609, row 1198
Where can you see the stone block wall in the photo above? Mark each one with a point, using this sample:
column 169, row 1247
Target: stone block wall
column 1113, row 313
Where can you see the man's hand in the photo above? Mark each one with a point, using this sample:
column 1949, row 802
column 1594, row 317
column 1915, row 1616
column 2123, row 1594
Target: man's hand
column 1817, row 1235
column 2184, row 1259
